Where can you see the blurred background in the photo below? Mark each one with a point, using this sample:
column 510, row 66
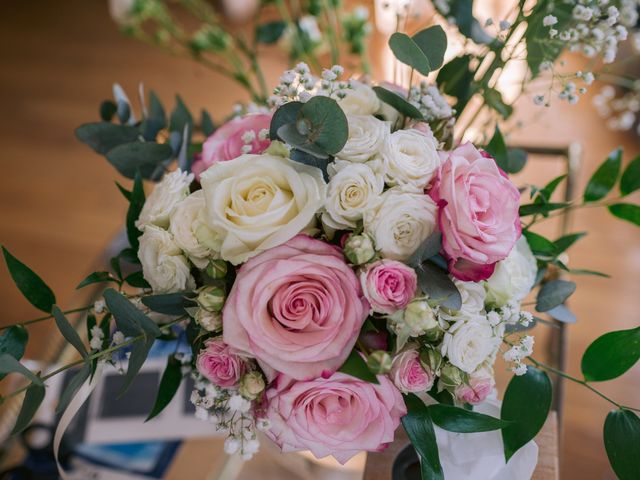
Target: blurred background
column 60, row 208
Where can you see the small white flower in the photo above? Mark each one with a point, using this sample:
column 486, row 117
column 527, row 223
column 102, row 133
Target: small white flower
column 231, row 445
column 118, row 337
column 263, row 134
column 99, row 306
column 239, row 404
column 519, row 369
column 246, row 149
column 251, row 447
column 202, row 414
column 549, row 20
column 263, row 424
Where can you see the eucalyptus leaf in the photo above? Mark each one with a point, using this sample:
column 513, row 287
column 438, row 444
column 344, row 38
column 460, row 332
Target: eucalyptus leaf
column 139, row 353
column 107, row 110
column 626, row 211
column 123, row 112
column 622, row 442
column 130, row 321
column 427, row 249
column 97, row 277
column 290, row 134
column 29, row 283
column 630, row 180
column 498, row 150
column 169, row 384
column 68, row 331
column 526, row 404
column 406, row 50
column 170, row 303
column 400, row 104
column 133, row 212
column 206, row 123
column 270, row 32
column 285, row 114
column 146, row 157
column 8, row 364
column 611, row 355
column 73, row 386
column 562, row 314
column 435, row 283
column 554, row 293
column 493, row 99
column 180, row 116
column 455, row 78
column 459, row 420
column 356, row 366
column 13, row 342
column 605, row 177
column 311, row 160
column 329, row 129
column 433, row 43
column 419, row 427
column 32, row 400
column 136, row 279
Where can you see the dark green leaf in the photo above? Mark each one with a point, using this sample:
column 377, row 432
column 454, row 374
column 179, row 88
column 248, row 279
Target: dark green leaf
column 493, row 99
column 397, row 102
column 605, row 178
column 133, row 213
column 562, row 314
column 543, row 208
column 32, row 400
column 156, row 110
column 517, row 160
column 554, row 293
column 311, row 160
column 498, row 149
column 139, row 352
column 427, row 249
column 290, row 134
column 328, row 124
column 540, row 246
column 125, row 193
column 544, row 195
column 419, row 427
column 115, row 265
column 68, row 331
column 136, row 279
column 433, row 43
column 29, row 283
column 156, row 120
column 626, row 211
column 97, row 277
column 123, row 111
column 270, row 32
column 285, row 114
column 459, row 420
column 13, row 341
column 8, row 364
column 145, row 157
column 406, row 50
column 107, row 110
column 435, row 283
column 169, row 384
column 131, row 321
column 206, row 123
column 462, row 12
column 611, row 355
column 180, row 117
column 563, row 243
column 104, row 136
column 584, row 271
column 169, row 303
column 356, row 366
column 73, row 386
column 456, row 79
column 539, row 47
column 526, row 404
column 622, row 442
column 630, row 180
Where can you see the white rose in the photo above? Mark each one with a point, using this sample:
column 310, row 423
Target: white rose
column 360, row 99
column 400, row 222
column 473, row 297
column 353, row 189
column 163, row 265
column 190, row 231
column 165, row 196
column 513, row 277
column 367, row 136
column 468, row 343
column 257, row 202
column 409, row 157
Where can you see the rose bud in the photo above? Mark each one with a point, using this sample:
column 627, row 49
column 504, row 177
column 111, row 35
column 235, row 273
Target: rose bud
column 251, row 385
column 359, row 249
column 379, row 362
column 209, row 321
column 373, row 340
column 431, row 360
column 421, row 320
column 211, row 298
column 217, row 269
column 451, row 376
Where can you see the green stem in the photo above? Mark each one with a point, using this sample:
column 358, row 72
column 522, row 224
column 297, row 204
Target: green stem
column 332, row 23
column 47, row 317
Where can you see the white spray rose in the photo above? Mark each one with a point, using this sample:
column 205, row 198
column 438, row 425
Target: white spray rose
column 400, row 222
column 164, row 198
column 353, row 189
column 469, row 342
column 409, row 157
column 188, row 227
column 367, row 136
column 473, row 298
column 360, row 99
column 257, row 202
column 513, row 277
column 163, row 265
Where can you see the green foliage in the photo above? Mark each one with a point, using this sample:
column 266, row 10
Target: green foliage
column 169, row 384
column 13, row 342
column 428, row 248
column 356, row 366
column 270, row 32
column 493, row 99
column 433, row 43
column 455, row 78
column 462, row 12
column 554, row 293
column 73, row 386
column 32, row 401
column 8, row 364
column 526, row 405
column 626, row 211
column 396, row 101
column 148, row 158
column 611, row 355
column 170, row 303
column 136, row 202
column 423, row 52
column 566, row 241
column 622, row 442
column 460, row 420
column 540, row 246
column 29, row 283
column 605, row 177
column 562, row 314
column 68, row 331
column 419, row 427
column 129, row 319
column 180, row 117
column 539, row 46
column 206, row 123
column 107, row 110
column 540, row 208
column 97, row 277
column 630, row 180
column 434, row 282
column 136, row 279
column 104, row 136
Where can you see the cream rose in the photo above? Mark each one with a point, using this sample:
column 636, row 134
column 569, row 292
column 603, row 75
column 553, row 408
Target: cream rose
column 513, row 277
column 353, row 189
column 163, row 265
column 367, row 136
column 409, row 157
column 257, row 202
column 188, row 227
column 360, row 99
column 400, row 222
column 469, row 342
column 164, row 198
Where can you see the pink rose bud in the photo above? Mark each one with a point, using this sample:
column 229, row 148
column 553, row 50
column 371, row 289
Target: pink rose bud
column 409, row 375
column 373, row 340
column 389, row 285
column 219, row 364
column 478, row 213
column 476, row 391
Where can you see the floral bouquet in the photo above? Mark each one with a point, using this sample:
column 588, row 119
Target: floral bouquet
column 340, row 264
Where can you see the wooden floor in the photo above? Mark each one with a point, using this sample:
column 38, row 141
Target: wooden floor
column 59, row 206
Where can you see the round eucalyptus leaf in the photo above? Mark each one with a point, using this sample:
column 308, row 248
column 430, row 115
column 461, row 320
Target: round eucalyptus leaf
column 327, row 123
column 408, row 52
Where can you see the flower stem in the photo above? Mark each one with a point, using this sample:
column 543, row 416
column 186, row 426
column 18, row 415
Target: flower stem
column 47, row 317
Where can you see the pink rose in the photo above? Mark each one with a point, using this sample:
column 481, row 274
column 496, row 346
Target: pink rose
column 408, row 374
column 219, row 364
column 477, row 390
column 227, row 142
column 297, row 308
column 340, row 415
column 389, row 285
column 478, row 213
